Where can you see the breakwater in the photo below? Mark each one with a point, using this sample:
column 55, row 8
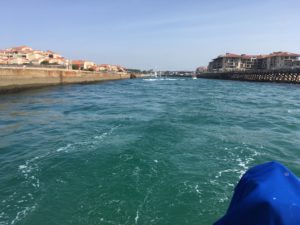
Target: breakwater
column 17, row 79
column 287, row 76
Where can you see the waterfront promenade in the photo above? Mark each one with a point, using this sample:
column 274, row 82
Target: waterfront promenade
column 14, row 79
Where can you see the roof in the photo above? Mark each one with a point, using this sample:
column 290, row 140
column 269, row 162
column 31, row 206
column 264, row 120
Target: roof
column 244, row 56
column 229, row 55
column 18, row 48
column 78, row 61
column 26, row 51
column 262, row 56
column 274, row 54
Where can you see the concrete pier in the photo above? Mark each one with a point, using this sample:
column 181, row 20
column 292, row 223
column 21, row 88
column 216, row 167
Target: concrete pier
column 286, row 76
column 17, row 79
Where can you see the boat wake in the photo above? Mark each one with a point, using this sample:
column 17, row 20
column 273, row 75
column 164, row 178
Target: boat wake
column 162, row 79
column 28, row 172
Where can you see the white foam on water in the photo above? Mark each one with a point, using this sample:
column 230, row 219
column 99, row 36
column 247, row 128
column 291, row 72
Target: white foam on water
column 92, row 141
column 162, row 79
column 25, row 169
column 172, row 79
column 24, row 203
column 241, row 158
column 105, row 134
column 199, row 192
column 22, row 214
column 101, row 136
column 220, row 173
column 64, row 148
column 29, row 171
column 150, row 79
column 193, row 189
column 223, row 199
column 22, row 167
column 244, row 165
column 136, row 217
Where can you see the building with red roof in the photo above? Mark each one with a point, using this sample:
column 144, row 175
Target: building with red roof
column 19, row 49
column 227, row 62
column 243, row 62
column 3, row 61
column 26, row 55
column 282, row 60
column 82, row 64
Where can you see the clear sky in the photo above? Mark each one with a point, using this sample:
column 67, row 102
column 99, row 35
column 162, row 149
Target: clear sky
column 145, row 34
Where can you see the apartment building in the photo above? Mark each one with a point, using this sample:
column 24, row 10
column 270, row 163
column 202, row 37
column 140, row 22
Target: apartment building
column 282, row 60
column 227, row 62
column 273, row 61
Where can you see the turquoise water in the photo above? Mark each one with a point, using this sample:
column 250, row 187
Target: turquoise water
column 145, row 151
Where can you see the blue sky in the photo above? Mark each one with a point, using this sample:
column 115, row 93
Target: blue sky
column 145, row 34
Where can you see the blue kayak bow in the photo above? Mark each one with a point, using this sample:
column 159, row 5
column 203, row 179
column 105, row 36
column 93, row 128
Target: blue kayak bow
column 267, row 194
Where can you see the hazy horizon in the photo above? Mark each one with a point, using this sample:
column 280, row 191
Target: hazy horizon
column 158, row 34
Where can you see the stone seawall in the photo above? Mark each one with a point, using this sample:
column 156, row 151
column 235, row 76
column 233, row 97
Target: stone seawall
column 16, row 79
column 292, row 76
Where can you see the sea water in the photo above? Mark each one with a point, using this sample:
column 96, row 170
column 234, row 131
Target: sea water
column 143, row 151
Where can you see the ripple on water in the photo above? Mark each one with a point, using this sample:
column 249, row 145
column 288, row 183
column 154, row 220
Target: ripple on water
column 144, row 151
column 25, row 201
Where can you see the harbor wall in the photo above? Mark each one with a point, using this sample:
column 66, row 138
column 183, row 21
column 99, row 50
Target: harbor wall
column 287, row 76
column 17, row 79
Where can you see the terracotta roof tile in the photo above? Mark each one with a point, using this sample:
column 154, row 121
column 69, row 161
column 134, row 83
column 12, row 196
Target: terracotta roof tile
column 231, row 55
column 77, row 61
column 284, row 54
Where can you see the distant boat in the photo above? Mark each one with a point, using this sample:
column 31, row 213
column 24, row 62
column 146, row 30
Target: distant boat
column 194, row 76
column 153, row 74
